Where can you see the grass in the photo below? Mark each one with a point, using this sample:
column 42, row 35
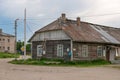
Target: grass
column 58, row 62
column 8, row 55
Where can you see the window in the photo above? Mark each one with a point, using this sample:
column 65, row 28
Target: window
column 60, row 50
column 3, row 48
column 3, row 39
column 8, row 40
column 8, row 48
column 84, row 51
column 99, row 51
column 39, row 50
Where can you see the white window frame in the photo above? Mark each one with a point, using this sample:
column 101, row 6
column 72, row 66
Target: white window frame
column 84, row 51
column 60, row 50
column 39, row 50
column 99, row 51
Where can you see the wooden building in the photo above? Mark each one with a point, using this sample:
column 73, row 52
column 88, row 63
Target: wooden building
column 76, row 40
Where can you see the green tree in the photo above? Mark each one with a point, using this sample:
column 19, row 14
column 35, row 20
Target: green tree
column 20, row 44
column 28, row 47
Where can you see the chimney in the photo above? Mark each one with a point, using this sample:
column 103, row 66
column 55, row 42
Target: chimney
column 0, row 31
column 63, row 17
column 78, row 21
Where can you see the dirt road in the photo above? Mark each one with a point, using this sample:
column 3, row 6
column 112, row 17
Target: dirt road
column 27, row 72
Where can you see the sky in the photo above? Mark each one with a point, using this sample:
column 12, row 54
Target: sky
column 42, row 12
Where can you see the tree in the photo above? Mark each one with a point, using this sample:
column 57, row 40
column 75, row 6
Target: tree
column 28, row 47
column 20, row 44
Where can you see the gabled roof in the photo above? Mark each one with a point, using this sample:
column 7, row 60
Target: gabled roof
column 55, row 25
column 85, row 32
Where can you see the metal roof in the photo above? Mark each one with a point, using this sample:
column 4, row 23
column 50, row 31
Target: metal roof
column 85, row 32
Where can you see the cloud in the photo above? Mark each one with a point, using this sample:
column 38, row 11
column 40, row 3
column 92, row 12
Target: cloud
column 101, row 7
column 15, row 8
column 45, row 11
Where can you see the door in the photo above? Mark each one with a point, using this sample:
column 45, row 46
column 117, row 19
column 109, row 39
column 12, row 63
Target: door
column 60, row 50
column 39, row 50
column 112, row 54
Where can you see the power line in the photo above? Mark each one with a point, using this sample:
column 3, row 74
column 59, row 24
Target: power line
column 35, row 24
column 7, row 24
column 97, row 15
column 101, row 15
column 29, row 28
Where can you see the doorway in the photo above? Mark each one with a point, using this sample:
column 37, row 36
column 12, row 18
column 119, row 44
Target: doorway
column 39, row 50
column 112, row 54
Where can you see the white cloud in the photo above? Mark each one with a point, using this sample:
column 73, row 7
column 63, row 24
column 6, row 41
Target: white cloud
column 101, row 7
column 15, row 8
column 48, row 10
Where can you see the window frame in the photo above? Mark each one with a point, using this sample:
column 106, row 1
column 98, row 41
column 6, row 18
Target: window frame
column 8, row 40
column 60, row 50
column 84, row 51
column 3, row 39
column 39, row 49
column 99, row 51
column 8, row 48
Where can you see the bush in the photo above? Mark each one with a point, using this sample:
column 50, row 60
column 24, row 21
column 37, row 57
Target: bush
column 53, row 59
column 59, row 62
column 8, row 55
column 100, row 61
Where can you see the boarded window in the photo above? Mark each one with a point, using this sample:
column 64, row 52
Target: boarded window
column 84, row 51
column 60, row 50
column 39, row 50
column 99, row 51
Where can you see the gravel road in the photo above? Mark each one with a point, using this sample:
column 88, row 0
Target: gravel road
column 28, row 72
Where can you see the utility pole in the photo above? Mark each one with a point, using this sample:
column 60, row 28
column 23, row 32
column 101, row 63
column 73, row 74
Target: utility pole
column 16, row 38
column 25, row 34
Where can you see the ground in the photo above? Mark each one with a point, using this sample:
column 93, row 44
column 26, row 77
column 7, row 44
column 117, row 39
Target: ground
column 28, row 72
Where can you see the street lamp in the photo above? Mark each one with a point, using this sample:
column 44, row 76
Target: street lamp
column 16, row 38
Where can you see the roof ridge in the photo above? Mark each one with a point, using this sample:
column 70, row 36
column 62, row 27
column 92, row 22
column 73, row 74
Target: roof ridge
column 6, row 34
column 93, row 24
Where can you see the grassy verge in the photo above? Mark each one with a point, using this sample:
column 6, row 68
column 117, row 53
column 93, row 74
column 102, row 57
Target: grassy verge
column 8, row 55
column 57, row 62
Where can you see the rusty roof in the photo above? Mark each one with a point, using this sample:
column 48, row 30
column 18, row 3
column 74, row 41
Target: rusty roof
column 52, row 26
column 85, row 32
column 88, row 32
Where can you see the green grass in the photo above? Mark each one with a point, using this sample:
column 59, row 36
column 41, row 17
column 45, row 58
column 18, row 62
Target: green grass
column 58, row 62
column 8, row 55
